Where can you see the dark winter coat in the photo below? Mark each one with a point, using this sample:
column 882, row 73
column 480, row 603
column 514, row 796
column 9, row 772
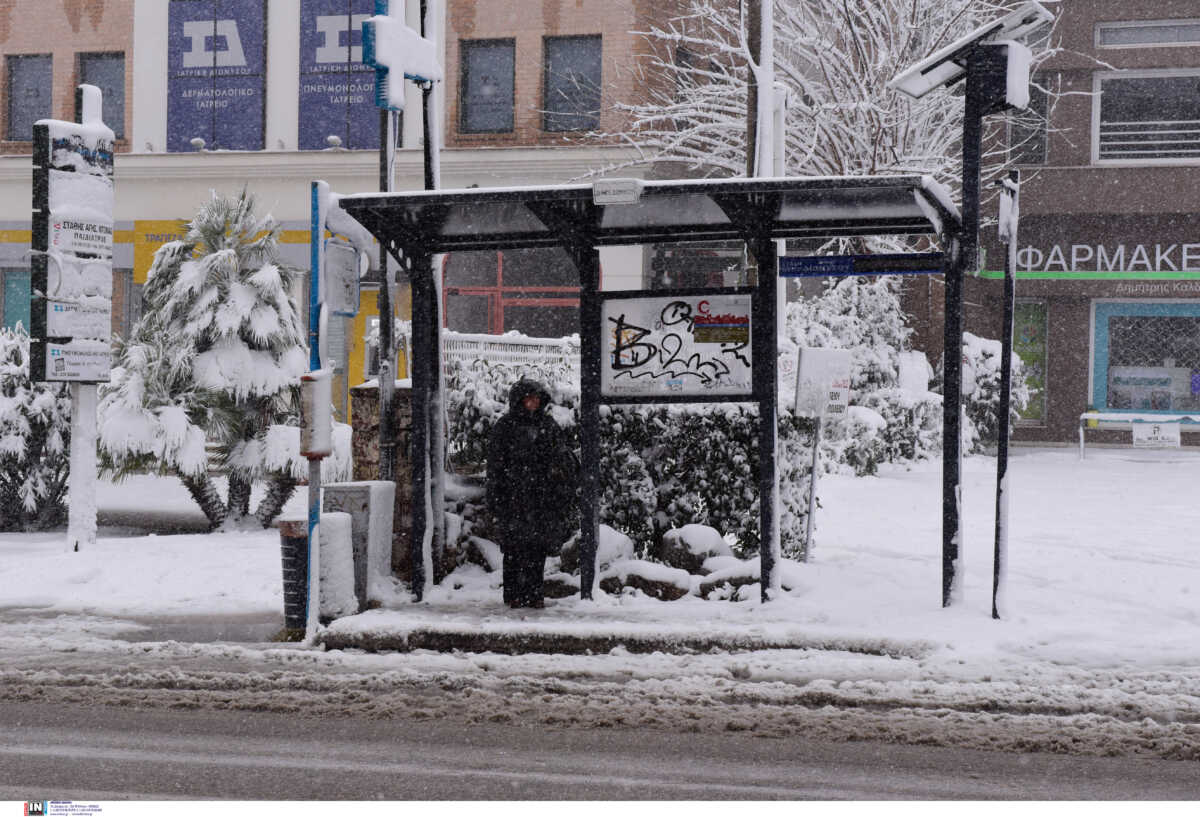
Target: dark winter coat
column 531, row 474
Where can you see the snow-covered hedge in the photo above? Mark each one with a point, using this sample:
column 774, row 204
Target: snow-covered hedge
column 662, row 467
column 35, row 428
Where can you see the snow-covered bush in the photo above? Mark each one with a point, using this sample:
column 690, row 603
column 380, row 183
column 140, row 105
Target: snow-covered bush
column 981, row 392
column 35, row 429
column 886, row 423
column 216, row 358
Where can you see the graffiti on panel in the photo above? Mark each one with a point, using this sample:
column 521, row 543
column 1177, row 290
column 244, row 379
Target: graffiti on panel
column 677, row 345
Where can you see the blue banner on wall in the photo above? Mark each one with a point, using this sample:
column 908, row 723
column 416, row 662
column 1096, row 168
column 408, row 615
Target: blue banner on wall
column 216, row 65
column 337, row 91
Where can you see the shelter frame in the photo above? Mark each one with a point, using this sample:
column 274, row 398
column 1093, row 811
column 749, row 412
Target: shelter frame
column 415, row 226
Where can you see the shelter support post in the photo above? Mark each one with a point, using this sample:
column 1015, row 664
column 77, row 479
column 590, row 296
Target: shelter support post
column 587, row 261
column 1008, row 233
column 426, row 367
column 765, row 350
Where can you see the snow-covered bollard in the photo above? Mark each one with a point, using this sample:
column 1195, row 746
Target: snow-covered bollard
column 337, row 567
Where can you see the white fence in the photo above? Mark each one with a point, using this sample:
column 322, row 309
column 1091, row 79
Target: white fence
column 511, row 349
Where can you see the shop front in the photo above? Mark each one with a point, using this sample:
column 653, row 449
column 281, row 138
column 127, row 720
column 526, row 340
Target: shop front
column 1107, row 318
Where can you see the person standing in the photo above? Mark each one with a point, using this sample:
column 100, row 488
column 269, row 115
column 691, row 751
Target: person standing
column 531, row 479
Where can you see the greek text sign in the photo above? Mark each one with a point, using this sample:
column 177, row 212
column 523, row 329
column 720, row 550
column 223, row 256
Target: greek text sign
column 677, row 346
column 1177, row 257
column 215, row 59
column 822, row 382
column 337, row 89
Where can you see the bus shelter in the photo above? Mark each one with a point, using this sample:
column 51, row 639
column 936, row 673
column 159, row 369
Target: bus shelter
column 581, row 218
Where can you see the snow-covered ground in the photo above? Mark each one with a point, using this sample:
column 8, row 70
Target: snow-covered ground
column 1098, row 651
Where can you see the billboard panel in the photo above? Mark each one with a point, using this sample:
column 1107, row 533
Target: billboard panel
column 673, row 346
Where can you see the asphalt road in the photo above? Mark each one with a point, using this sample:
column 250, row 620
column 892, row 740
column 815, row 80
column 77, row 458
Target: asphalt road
column 88, row 752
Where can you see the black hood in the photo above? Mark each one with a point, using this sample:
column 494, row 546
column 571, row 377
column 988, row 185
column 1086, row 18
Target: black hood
column 525, row 387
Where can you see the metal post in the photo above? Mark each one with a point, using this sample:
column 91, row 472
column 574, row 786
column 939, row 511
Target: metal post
column 312, row 601
column 81, row 482
column 765, row 348
column 587, row 261
column 986, row 67
column 812, row 487
column 1008, row 233
column 387, row 350
column 422, row 312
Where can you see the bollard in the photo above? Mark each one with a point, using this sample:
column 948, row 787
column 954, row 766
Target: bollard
column 293, row 542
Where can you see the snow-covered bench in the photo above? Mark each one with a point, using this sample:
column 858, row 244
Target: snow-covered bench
column 1125, row 421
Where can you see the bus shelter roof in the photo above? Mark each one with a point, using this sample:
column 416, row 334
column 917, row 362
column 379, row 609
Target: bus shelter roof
column 655, row 211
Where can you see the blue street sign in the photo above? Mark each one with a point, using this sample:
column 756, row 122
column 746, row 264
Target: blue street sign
column 825, row 266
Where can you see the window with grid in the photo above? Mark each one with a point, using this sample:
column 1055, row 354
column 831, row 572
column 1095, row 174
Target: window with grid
column 571, row 89
column 1148, row 116
column 107, row 72
column 1154, row 362
column 29, row 90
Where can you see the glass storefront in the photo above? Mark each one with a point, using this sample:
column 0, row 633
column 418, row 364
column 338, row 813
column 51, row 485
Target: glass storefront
column 1147, row 356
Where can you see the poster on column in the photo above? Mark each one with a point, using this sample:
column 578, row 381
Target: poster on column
column 677, row 346
column 215, row 63
column 337, row 89
column 71, row 298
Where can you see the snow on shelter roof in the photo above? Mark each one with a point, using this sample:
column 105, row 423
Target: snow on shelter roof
column 698, row 210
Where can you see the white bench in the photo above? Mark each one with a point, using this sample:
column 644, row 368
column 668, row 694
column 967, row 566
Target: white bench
column 1124, row 421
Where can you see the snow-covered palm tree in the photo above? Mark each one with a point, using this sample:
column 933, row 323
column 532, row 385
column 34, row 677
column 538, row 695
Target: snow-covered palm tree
column 216, row 359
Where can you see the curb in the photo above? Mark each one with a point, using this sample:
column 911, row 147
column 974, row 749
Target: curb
column 550, row 642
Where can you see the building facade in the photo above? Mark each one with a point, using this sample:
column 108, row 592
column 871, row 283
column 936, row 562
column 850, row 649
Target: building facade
column 1108, row 261
column 268, row 95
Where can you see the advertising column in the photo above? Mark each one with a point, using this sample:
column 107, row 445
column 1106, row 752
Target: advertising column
column 71, row 298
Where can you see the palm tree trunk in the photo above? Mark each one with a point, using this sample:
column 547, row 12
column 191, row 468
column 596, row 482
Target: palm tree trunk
column 239, row 497
column 205, row 493
column 279, row 491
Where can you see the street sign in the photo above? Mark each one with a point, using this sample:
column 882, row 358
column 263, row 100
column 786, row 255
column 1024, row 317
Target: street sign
column 822, row 382
column 836, row 266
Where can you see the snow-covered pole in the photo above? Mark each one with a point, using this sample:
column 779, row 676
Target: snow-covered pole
column 435, row 518
column 1009, row 219
column 311, row 406
column 397, row 52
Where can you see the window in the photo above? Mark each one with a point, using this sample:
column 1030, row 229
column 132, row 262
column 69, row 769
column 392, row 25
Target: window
column 486, row 98
column 1148, row 33
column 14, row 297
column 1030, row 324
column 107, row 72
column 29, row 89
column 1027, row 130
column 1147, row 116
column 571, row 89
column 1147, row 356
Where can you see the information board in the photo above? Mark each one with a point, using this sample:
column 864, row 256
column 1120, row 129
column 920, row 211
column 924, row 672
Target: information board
column 71, row 297
column 677, row 346
column 822, row 382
